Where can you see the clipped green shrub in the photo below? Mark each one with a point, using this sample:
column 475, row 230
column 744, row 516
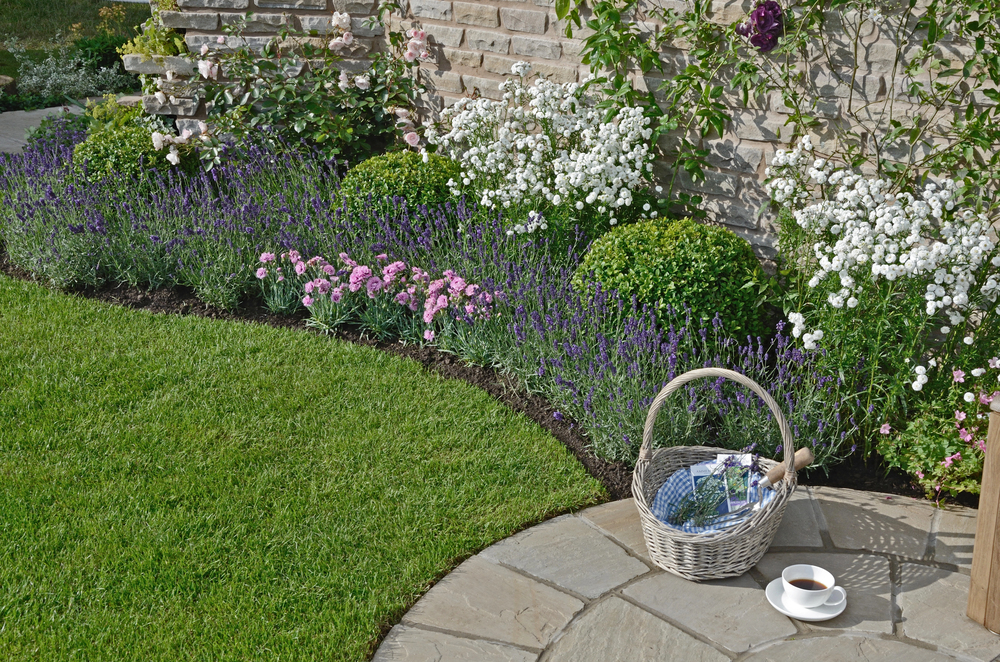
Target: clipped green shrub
column 675, row 263
column 119, row 143
column 401, row 173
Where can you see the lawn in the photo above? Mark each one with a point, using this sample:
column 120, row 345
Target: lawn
column 36, row 22
column 181, row 488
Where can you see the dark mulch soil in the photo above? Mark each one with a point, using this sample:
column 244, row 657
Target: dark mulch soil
column 616, row 477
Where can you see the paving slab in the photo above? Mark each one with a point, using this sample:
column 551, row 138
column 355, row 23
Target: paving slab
column 845, row 649
column 933, row 604
column 415, row 645
column 615, row 631
column 876, row 522
column 482, row 599
column 954, row 535
column 569, row 553
column 620, row 520
column 15, row 124
column 733, row 613
column 865, row 577
column 799, row 525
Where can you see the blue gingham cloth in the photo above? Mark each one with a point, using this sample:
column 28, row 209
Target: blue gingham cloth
column 679, row 484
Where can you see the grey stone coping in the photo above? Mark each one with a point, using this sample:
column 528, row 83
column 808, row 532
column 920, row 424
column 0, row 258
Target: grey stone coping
column 581, row 588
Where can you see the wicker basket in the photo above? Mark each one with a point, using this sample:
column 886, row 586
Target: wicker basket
column 729, row 552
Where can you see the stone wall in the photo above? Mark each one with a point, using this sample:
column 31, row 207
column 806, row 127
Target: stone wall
column 475, row 43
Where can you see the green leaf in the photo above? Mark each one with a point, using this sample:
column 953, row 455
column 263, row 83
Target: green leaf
column 562, row 9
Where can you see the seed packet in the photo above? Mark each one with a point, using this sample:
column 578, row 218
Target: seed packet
column 735, row 468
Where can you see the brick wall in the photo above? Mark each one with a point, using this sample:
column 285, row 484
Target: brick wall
column 475, row 43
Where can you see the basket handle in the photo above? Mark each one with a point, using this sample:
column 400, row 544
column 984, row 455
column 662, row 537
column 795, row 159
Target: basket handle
column 787, row 441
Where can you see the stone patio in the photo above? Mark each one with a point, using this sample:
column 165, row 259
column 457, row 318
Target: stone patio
column 581, row 588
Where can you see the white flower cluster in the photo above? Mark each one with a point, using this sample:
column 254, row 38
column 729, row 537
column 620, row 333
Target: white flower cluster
column 535, row 222
column 784, row 183
column 798, row 328
column 161, row 140
column 546, row 141
column 863, row 230
column 341, row 24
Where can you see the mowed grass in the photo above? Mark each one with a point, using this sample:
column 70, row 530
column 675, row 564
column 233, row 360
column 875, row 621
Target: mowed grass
column 175, row 488
column 35, row 23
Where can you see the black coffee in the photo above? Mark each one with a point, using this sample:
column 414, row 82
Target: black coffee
column 808, row 584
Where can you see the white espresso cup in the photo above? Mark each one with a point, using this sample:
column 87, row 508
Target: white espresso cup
column 811, row 586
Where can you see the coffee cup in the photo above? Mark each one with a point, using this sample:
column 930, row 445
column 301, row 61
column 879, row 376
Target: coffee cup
column 811, row 586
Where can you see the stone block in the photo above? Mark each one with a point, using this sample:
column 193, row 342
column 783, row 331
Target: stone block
column 408, row 644
column 733, row 613
column 484, row 40
column 213, row 4
column 546, row 49
column 620, row 520
column 188, row 20
column 260, row 22
column 616, row 630
column 865, row 577
column 444, row 35
column 158, row 65
column 441, row 81
column 353, row 6
column 484, row 600
column 954, row 533
column 876, row 522
column 844, row 649
column 487, row 87
column 555, row 72
column 933, row 604
column 799, row 526
column 726, row 12
column 739, row 156
column 475, row 13
column 570, row 554
column 363, row 27
column 831, row 84
column 755, row 125
column 524, row 20
column 194, row 126
column 715, row 183
column 731, row 214
column 291, row 4
column 497, row 64
column 183, row 107
column 320, row 24
column 195, row 41
column 459, row 58
column 435, row 10
column 572, row 48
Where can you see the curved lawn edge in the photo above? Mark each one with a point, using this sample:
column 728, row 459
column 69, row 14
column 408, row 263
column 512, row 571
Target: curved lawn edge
column 161, row 501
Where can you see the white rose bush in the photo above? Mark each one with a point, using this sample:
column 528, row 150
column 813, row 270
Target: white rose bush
column 547, row 154
column 899, row 289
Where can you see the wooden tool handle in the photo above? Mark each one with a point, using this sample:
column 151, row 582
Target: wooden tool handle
column 803, row 458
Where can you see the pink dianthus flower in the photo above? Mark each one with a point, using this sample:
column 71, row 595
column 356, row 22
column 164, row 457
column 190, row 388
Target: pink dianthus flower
column 359, row 276
column 262, row 273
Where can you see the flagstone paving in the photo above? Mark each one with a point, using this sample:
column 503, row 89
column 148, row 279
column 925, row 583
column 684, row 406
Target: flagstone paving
column 581, row 588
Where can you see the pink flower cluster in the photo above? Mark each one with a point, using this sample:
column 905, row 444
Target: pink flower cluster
column 300, row 266
column 967, row 431
column 413, row 287
column 416, row 48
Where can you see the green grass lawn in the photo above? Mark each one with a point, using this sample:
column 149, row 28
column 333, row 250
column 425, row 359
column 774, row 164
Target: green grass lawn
column 180, row 488
column 36, row 22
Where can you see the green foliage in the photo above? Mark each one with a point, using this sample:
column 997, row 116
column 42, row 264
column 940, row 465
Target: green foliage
column 119, row 144
column 318, row 107
column 402, row 173
column 154, row 39
column 677, row 263
column 101, row 50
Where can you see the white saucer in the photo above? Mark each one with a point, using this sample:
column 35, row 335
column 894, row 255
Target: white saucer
column 775, row 593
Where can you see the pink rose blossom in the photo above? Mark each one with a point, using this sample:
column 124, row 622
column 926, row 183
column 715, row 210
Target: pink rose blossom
column 409, row 56
column 958, row 376
column 262, row 273
column 220, row 39
column 412, row 139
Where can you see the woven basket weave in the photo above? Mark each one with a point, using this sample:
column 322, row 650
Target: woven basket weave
column 729, row 552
